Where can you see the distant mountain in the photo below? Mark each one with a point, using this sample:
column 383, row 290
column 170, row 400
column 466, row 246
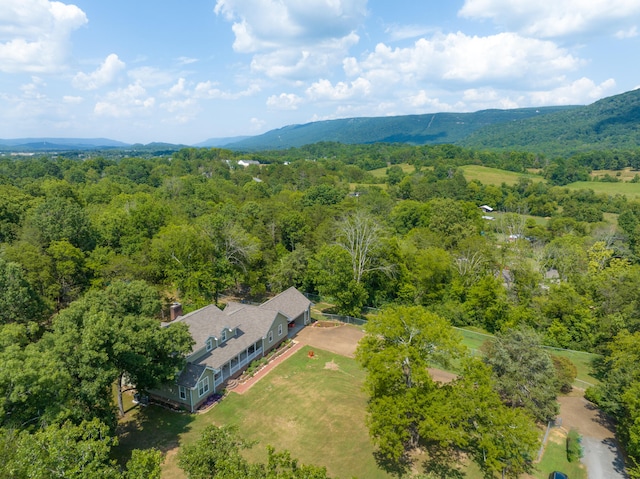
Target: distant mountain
column 412, row 129
column 59, row 144
column 221, row 142
column 610, row 123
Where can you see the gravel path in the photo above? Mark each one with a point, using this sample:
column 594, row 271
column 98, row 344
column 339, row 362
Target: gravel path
column 601, row 454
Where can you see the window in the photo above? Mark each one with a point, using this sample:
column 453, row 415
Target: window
column 280, row 329
column 209, row 344
column 224, row 335
column 271, row 336
column 203, row 386
column 182, row 392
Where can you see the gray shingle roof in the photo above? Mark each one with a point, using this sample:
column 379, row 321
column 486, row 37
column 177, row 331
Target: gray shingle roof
column 190, row 375
column 251, row 323
column 291, row 302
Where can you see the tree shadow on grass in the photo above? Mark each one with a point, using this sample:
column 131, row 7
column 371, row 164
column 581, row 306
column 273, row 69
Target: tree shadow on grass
column 397, row 468
column 149, row 427
column 443, row 463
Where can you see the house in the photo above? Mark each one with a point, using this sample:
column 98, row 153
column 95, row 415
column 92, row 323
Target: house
column 486, row 209
column 226, row 341
column 246, row 163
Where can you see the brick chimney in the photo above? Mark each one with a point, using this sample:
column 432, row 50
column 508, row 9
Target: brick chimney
column 175, row 311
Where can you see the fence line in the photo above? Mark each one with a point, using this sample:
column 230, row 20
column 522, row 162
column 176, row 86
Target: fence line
column 345, row 319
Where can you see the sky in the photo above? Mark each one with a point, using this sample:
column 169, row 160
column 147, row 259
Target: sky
column 176, row 71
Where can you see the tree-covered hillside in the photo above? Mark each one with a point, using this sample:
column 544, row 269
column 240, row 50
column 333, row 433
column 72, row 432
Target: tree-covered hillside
column 412, row 129
column 610, row 123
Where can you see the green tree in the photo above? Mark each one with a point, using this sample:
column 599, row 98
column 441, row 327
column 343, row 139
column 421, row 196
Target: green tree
column 104, row 338
column 219, row 454
column 330, row 270
column 524, row 373
column 400, row 345
column 60, row 218
column 19, row 302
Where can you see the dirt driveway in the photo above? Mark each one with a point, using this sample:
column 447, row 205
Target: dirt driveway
column 601, row 454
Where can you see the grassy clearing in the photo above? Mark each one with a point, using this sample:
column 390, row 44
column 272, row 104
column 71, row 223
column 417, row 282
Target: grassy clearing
column 382, row 172
column 630, row 190
column 315, row 408
column 626, row 174
column 495, row 176
column 555, row 459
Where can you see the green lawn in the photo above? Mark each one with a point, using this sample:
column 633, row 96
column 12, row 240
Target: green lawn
column 315, row 408
column 495, row 176
column 630, row 190
column 555, row 459
column 382, row 172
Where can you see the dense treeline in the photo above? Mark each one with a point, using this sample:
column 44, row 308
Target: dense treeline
column 76, row 233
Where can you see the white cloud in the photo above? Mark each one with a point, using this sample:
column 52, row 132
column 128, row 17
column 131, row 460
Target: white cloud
column 403, row 32
column 186, row 60
column 125, row 102
column 579, row 92
column 325, row 90
column 629, row 33
column 257, row 124
column 178, row 89
column 209, row 90
column 555, row 18
column 72, row 100
column 266, row 24
column 150, row 76
column 467, row 59
column 293, row 38
column 34, row 34
column 100, row 77
column 298, row 63
column 32, row 90
column 422, row 100
column 284, row 101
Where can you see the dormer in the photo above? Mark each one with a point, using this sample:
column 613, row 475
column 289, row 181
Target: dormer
column 226, row 334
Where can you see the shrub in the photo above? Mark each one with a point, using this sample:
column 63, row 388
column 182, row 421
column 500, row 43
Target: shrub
column 574, row 448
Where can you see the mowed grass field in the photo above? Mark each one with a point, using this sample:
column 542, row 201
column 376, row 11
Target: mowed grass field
column 313, row 407
column 382, row 172
column 630, row 190
column 495, row 176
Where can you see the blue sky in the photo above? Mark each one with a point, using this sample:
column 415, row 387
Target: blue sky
column 183, row 72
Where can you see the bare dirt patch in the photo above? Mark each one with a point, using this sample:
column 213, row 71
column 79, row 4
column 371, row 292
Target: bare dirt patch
column 342, row 339
column 332, row 366
column 441, row 376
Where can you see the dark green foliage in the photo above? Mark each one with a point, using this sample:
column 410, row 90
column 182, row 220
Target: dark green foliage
column 218, row 454
column 524, row 373
column 409, row 411
column 19, row 302
column 574, row 448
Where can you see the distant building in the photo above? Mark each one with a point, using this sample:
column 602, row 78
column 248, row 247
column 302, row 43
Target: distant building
column 246, row 163
column 486, row 209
